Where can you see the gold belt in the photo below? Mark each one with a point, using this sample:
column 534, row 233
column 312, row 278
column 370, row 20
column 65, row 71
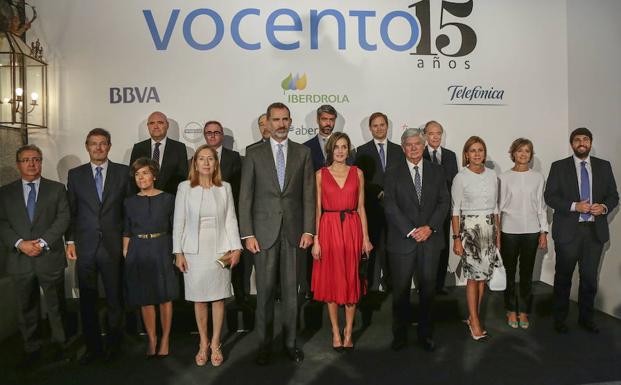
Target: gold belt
column 149, row 236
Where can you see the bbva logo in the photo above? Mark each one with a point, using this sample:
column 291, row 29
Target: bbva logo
column 133, row 95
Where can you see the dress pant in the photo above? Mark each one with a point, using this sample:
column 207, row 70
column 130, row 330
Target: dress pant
column 282, row 258
column 109, row 267
column 522, row 248
column 240, row 276
column 585, row 250
column 444, row 254
column 27, row 287
column 421, row 264
column 378, row 271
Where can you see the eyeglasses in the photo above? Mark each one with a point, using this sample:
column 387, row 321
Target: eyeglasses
column 213, row 133
column 27, row 160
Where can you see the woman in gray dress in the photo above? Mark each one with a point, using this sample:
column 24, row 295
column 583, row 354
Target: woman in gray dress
column 475, row 226
column 205, row 241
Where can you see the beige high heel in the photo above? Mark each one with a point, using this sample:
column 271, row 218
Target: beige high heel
column 216, row 355
column 201, row 356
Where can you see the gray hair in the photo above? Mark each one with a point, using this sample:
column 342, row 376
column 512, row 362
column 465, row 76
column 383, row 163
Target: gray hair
column 27, row 147
column 326, row 109
column 413, row 132
column 432, row 122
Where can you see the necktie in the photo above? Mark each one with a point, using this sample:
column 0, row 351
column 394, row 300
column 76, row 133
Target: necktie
column 435, row 157
column 156, row 152
column 382, row 155
column 585, row 188
column 99, row 182
column 323, row 147
column 418, row 184
column 280, row 166
column 32, row 201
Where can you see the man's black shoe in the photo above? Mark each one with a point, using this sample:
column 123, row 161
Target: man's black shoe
column 88, row 357
column 427, row 344
column 398, row 344
column 263, row 358
column 561, row 327
column 296, row 355
column 590, row 327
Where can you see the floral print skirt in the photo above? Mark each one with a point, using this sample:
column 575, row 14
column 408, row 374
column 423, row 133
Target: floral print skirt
column 478, row 236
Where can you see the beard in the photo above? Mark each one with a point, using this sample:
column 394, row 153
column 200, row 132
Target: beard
column 582, row 152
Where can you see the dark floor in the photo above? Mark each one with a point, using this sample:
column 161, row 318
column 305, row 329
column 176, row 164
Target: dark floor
column 534, row 356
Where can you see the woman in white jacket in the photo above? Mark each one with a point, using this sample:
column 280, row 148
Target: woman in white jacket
column 205, row 241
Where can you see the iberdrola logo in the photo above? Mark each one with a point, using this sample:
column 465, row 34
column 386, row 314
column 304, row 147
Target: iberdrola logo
column 294, row 83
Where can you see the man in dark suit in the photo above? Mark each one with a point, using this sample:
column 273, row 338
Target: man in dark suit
column 263, row 130
column 96, row 191
column 277, row 219
column 417, row 202
column 437, row 154
column 326, row 118
column 171, row 155
column 373, row 158
column 34, row 215
column 582, row 191
column 230, row 169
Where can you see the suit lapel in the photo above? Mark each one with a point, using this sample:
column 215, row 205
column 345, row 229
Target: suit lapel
column 41, row 197
column 427, row 176
column 289, row 166
column 318, row 141
column 408, row 184
column 571, row 170
column 110, row 181
column 88, row 179
column 268, row 153
column 18, row 196
column 224, row 163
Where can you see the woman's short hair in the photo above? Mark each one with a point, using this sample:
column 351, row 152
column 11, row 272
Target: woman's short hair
column 142, row 162
column 193, row 176
column 519, row 143
column 332, row 142
column 472, row 140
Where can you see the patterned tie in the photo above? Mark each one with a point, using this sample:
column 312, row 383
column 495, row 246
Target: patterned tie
column 32, row 201
column 585, row 188
column 280, row 166
column 435, row 157
column 156, row 152
column 418, row 184
column 99, row 182
column 382, row 155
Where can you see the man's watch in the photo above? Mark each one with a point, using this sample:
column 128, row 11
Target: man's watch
column 456, row 236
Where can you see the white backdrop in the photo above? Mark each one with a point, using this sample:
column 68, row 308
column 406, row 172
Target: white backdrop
column 96, row 49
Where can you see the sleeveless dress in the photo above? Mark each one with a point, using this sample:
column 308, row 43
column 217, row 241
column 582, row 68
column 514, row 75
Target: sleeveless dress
column 335, row 276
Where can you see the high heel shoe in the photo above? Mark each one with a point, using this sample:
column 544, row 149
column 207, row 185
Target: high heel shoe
column 348, row 348
column 476, row 338
column 512, row 324
column 524, row 324
column 467, row 322
column 339, row 343
column 216, row 355
column 201, row 356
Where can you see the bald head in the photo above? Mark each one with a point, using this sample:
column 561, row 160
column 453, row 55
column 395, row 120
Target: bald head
column 157, row 123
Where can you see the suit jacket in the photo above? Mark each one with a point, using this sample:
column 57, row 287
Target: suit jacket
column 368, row 160
column 265, row 211
column 404, row 212
column 260, row 141
column 448, row 163
column 186, row 223
column 95, row 223
column 230, row 168
column 562, row 190
column 51, row 220
column 317, row 155
column 174, row 167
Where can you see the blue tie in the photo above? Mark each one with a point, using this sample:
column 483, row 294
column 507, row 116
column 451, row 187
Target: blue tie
column 382, row 156
column 280, row 166
column 99, row 182
column 32, row 201
column 418, row 184
column 585, row 188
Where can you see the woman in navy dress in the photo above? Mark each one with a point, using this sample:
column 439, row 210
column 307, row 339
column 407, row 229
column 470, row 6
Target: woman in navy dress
column 150, row 277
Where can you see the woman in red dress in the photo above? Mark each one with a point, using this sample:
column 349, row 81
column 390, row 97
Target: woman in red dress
column 341, row 239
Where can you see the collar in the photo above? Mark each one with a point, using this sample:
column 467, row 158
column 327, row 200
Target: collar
column 274, row 143
column 162, row 142
column 376, row 141
column 36, row 182
column 578, row 161
column 419, row 164
column 104, row 166
column 438, row 150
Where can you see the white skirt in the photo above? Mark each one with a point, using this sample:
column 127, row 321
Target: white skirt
column 206, row 280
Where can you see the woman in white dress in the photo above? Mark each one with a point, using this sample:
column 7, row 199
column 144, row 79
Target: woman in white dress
column 524, row 227
column 475, row 226
column 205, row 240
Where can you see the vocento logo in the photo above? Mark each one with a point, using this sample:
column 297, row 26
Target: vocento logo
column 299, row 83
column 293, row 83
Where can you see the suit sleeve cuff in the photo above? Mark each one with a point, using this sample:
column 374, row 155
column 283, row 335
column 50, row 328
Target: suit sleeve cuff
column 69, row 242
column 18, row 242
column 573, row 207
column 247, row 236
column 410, row 233
column 605, row 209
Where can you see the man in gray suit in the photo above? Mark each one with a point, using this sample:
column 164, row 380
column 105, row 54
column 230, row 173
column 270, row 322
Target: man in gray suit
column 34, row 215
column 277, row 219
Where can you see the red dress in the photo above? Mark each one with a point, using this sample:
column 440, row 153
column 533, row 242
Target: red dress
column 335, row 276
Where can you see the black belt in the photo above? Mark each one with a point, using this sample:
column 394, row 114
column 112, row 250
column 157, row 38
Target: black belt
column 341, row 212
column 150, row 236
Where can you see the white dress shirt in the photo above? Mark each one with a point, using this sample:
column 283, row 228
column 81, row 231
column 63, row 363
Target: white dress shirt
column 522, row 207
column 475, row 194
column 438, row 153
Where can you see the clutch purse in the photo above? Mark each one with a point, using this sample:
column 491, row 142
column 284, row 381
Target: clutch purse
column 225, row 260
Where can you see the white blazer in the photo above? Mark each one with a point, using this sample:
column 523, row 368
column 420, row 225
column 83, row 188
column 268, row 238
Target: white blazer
column 187, row 219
